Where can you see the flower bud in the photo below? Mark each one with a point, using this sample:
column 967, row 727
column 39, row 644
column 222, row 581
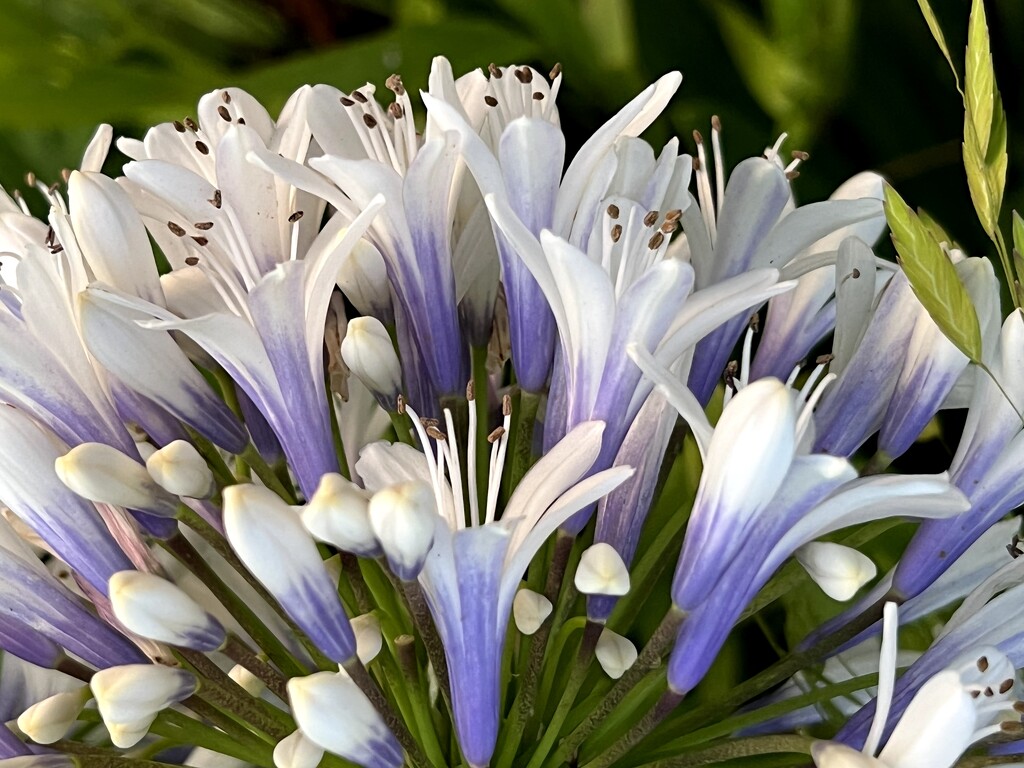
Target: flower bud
column 530, row 609
column 360, row 736
column 602, row 572
column 369, row 639
column 102, row 473
column 839, row 571
column 364, row 280
column 296, row 751
column 179, row 469
column 155, row 608
column 615, row 654
column 403, row 518
column 48, row 720
column 338, row 513
column 368, row 352
column 130, row 697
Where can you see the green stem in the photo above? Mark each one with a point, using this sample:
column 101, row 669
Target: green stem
column 372, row 691
column 339, row 446
column 662, row 708
column 526, row 421
column 241, row 654
column 431, row 639
column 737, row 748
column 405, row 651
column 185, row 730
column 266, row 474
column 479, row 401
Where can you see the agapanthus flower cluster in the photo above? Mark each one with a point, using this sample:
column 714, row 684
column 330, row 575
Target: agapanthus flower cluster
column 370, row 435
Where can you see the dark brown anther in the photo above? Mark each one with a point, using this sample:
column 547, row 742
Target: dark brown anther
column 241, row 121
column 427, row 421
column 1006, row 685
column 225, row 97
column 470, row 390
column 56, row 248
column 729, row 375
column 524, row 75
column 495, row 435
column 358, row 96
column 176, row 229
column 200, row 240
column 697, row 137
column 613, row 211
column 50, row 235
column 651, row 218
column 975, row 694
column 295, row 217
column 346, row 101
column 203, row 226
column 65, row 173
column 538, row 96
column 983, row 664
column 616, row 233
column 370, row 120
column 202, row 148
column 490, row 101
column 53, row 187
column 799, row 154
column 1018, row 706
column 178, row 126
column 668, row 227
column 394, row 84
column 436, row 434
column 716, row 124
column 792, row 175
column 989, row 693
column 696, row 163
column 656, row 241
column 400, row 404
column 674, row 215
column 30, row 179
column 224, row 114
column 855, row 274
column 555, row 70
column 215, row 201
column 191, row 260
column 494, row 71
column 754, row 323
column 396, row 110
column 191, row 124
column 824, row 359
column 506, row 405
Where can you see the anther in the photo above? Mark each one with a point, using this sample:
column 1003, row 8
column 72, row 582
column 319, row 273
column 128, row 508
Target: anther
column 1006, row 685
column 394, row 84
column 200, row 241
column 490, row 101
column 295, row 217
column 495, row 435
column 655, row 242
column 538, row 96
column 178, row 126
column 56, row 248
column 975, row 694
column 716, row 124
column 215, row 201
column 191, row 260
column 825, row 360
column 53, row 187
column 358, row 96
column 202, row 148
column 983, row 664
column 613, row 211
column 616, row 233
column 346, row 101
column 697, row 137
column 524, row 75
column 400, row 404
column 428, row 422
column 225, row 97
column 396, row 110
column 799, row 154
column 669, row 227
column 651, row 218
column 65, row 173
column 506, row 406
column 792, row 175
column 176, row 229
column 855, row 273
column 696, row 163
column 989, row 693
column 241, row 121
column 30, row 179
column 203, row 226
column 494, row 71
column 1018, row 706
column 191, row 124
column 224, row 114
column 555, row 70
column 674, row 215
column 754, row 323
column 370, row 120
column 470, row 390
column 436, row 434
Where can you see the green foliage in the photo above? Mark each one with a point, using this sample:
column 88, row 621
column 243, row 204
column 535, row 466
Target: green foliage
column 932, row 276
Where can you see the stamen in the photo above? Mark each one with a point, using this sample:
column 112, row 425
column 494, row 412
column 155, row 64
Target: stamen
column 494, row 71
column 773, row 153
column 225, row 97
column 555, row 71
column 178, row 126
column 191, row 124
column 203, row 226
column 704, row 195
column 452, row 454
column 716, row 150
column 495, row 434
column 651, row 218
column 191, row 260
column 613, row 211
column 656, row 241
column 224, row 114
column 295, row 217
column 176, row 229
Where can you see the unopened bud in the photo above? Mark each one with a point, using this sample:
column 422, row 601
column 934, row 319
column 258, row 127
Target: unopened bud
column 614, row 653
column 530, row 609
column 368, row 352
column 179, row 469
column 364, row 280
column 369, row 639
column 404, row 517
column 839, row 571
column 102, row 473
column 130, row 697
column 296, row 751
column 602, row 572
column 155, row 608
column 247, row 680
column 48, row 720
column 338, row 514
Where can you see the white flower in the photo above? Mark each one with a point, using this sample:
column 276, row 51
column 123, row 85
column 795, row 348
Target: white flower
column 130, row 697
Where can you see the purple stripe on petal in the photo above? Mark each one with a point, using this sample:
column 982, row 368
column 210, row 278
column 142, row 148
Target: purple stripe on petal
column 24, row 642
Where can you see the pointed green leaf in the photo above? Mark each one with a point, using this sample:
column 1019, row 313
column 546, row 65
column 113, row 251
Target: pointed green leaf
column 979, row 77
column 936, row 230
column 933, row 278
column 978, row 179
column 1018, row 233
column 940, row 39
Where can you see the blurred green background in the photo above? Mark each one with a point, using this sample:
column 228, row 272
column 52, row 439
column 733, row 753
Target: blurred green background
column 857, row 83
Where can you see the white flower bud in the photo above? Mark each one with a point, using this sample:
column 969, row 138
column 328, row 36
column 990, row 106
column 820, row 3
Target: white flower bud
column 155, row 608
column 179, row 469
column 338, row 513
column 403, row 518
column 364, row 279
column 130, row 697
column 615, row 654
column 48, row 720
column 99, row 472
column 360, row 736
column 247, row 680
column 368, row 637
column 530, row 609
column 296, row 751
column 602, row 572
column 839, row 571
column 368, row 352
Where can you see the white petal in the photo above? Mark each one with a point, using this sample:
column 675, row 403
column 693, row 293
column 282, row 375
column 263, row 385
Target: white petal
column 338, row 513
column 831, row 754
column 369, row 639
column 296, row 751
column 102, row 473
column 602, row 572
column 839, row 571
column 530, row 609
column 615, row 654
column 48, row 720
column 155, row 608
column 403, row 519
column 179, row 469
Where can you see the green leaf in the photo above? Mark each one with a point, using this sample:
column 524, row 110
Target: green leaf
column 940, row 39
column 979, row 77
column 933, row 277
column 1018, row 233
column 978, row 179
